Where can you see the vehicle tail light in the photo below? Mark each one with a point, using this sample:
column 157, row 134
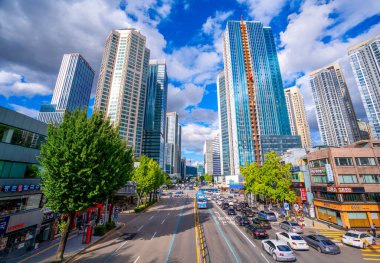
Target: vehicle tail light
column 293, row 227
column 281, row 254
column 294, row 243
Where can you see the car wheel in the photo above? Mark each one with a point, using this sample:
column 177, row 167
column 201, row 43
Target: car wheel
column 274, row 256
column 319, row 249
column 364, row 245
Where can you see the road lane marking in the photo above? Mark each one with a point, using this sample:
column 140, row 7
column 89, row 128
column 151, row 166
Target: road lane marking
column 137, row 259
column 264, row 257
column 169, row 213
column 114, row 253
column 175, row 233
column 196, row 233
column 224, row 237
column 121, row 246
column 151, row 218
column 153, row 235
column 163, row 221
column 140, row 228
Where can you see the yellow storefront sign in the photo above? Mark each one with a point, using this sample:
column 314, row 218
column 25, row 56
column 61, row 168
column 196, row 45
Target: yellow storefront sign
column 348, row 207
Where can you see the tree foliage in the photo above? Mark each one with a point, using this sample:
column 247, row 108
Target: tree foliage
column 272, row 180
column 84, row 162
column 208, row 178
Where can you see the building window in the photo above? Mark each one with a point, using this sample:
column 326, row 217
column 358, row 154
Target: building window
column 353, row 197
column 372, row 197
column 329, row 196
column 319, row 163
column 18, row 170
column 320, row 179
column 348, row 179
column 343, row 161
column 365, row 161
column 16, row 204
column 370, row 178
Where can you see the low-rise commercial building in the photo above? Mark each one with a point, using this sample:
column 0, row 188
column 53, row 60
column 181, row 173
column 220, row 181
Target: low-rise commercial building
column 346, row 184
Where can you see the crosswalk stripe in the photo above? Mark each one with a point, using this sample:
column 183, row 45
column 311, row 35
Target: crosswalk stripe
column 374, row 259
column 371, row 255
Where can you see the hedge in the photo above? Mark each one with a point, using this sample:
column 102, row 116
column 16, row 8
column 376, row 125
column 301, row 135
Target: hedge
column 99, row 230
column 142, row 207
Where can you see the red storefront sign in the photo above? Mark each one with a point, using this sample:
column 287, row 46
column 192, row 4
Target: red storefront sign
column 303, row 194
column 334, row 189
column 12, row 228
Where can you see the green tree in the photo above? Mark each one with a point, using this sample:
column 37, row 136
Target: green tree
column 140, row 176
column 83, row 162
column 208, row 178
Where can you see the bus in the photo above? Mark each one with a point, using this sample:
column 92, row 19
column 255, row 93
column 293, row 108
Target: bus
column 201, row 199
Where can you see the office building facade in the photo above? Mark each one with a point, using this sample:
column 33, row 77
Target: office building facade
column 216, row 159
column 365, row 63
column 173, row 145
column 335, row 114
column 255, row 93
column 224, row 115
column 297, row 115
column 72, row 89
column 208, row 160
column 122, row 85
column 155, row 112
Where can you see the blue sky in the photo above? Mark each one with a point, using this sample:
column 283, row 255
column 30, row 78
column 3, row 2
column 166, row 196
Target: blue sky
column 188, row 33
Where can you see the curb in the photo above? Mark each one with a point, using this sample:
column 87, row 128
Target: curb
column 72, row 257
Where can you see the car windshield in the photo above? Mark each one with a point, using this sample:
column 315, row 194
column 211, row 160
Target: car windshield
column 245, row 218
column 296, row 238
column 294, row 224
column 269, row 213
column 260, row 230
column 327, row 242
column 283, row 248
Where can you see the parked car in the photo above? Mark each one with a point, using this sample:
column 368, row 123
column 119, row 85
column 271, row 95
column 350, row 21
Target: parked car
column 293, row 240
column 261, row 222
column 322, row 244
column 231, row 211
column 256, row 232
column 247, row 212
column 278, row 250
column 291, row 227
column 225, row 206
column 269, row 215
column 357, row 239
column 242, row 221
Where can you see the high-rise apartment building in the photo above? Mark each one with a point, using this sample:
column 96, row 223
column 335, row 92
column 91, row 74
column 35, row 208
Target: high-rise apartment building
column 216, row 158
column 72, row 89
column 224, row 114
column 365, row 63
column 259, row 119
column 297, row 115
column 365, row 130
column 208, row 161
column 155, row 112
column 173, row 145
column 335, row 114
column 121, row 90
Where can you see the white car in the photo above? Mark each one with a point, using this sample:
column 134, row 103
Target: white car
column 278, row 250
column 293, row 240
column 357, row 239
column 230, row 203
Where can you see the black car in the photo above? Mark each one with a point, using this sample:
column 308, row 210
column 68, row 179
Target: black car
column 244, row 204
column 322, row 244
column 261, row 223
column 231, row 211
column 248, row 212
column 225, row 206
column 257, row 232
column 242, row 221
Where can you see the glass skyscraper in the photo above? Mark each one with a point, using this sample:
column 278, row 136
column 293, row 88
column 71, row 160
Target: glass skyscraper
column 259, row 118
column 365, row 63
column 155, row 112
column 72, row 89
column 336, row 117
column 122, row 85
column 173, row 145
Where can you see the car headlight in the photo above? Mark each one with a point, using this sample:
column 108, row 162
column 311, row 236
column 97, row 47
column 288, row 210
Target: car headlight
column 327, row 248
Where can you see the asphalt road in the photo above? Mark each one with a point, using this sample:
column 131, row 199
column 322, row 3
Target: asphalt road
column 166, row 233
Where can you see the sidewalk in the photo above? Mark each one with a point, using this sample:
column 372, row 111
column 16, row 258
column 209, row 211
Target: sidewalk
column 46, row 252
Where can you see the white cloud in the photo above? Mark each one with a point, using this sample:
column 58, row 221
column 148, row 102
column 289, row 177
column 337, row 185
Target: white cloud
column 303, row 49
column 263, row 10
column 21, row 109
column 12, row 84
column 194, row 135
column 179, row 99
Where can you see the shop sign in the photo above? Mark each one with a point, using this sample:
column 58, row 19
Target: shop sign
column 294, row 169
column 340, row 190
column 318, row 171
column 48, row 216
column 3, row 224
column 286, row 206
column 302, row 179
column 19, row 188
column 15, row 227
column 23, row 220
column 303, row 194
column 329, row 172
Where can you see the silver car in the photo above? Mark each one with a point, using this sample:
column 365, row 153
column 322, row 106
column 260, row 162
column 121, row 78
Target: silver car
column 291, row 227
column 279, row 250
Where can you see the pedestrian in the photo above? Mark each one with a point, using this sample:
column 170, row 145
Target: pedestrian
column 373, row 228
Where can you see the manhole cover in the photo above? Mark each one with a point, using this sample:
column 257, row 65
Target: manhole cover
column 128, row 236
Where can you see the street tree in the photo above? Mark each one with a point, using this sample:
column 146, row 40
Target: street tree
column 208, row 178
column 84, row 162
